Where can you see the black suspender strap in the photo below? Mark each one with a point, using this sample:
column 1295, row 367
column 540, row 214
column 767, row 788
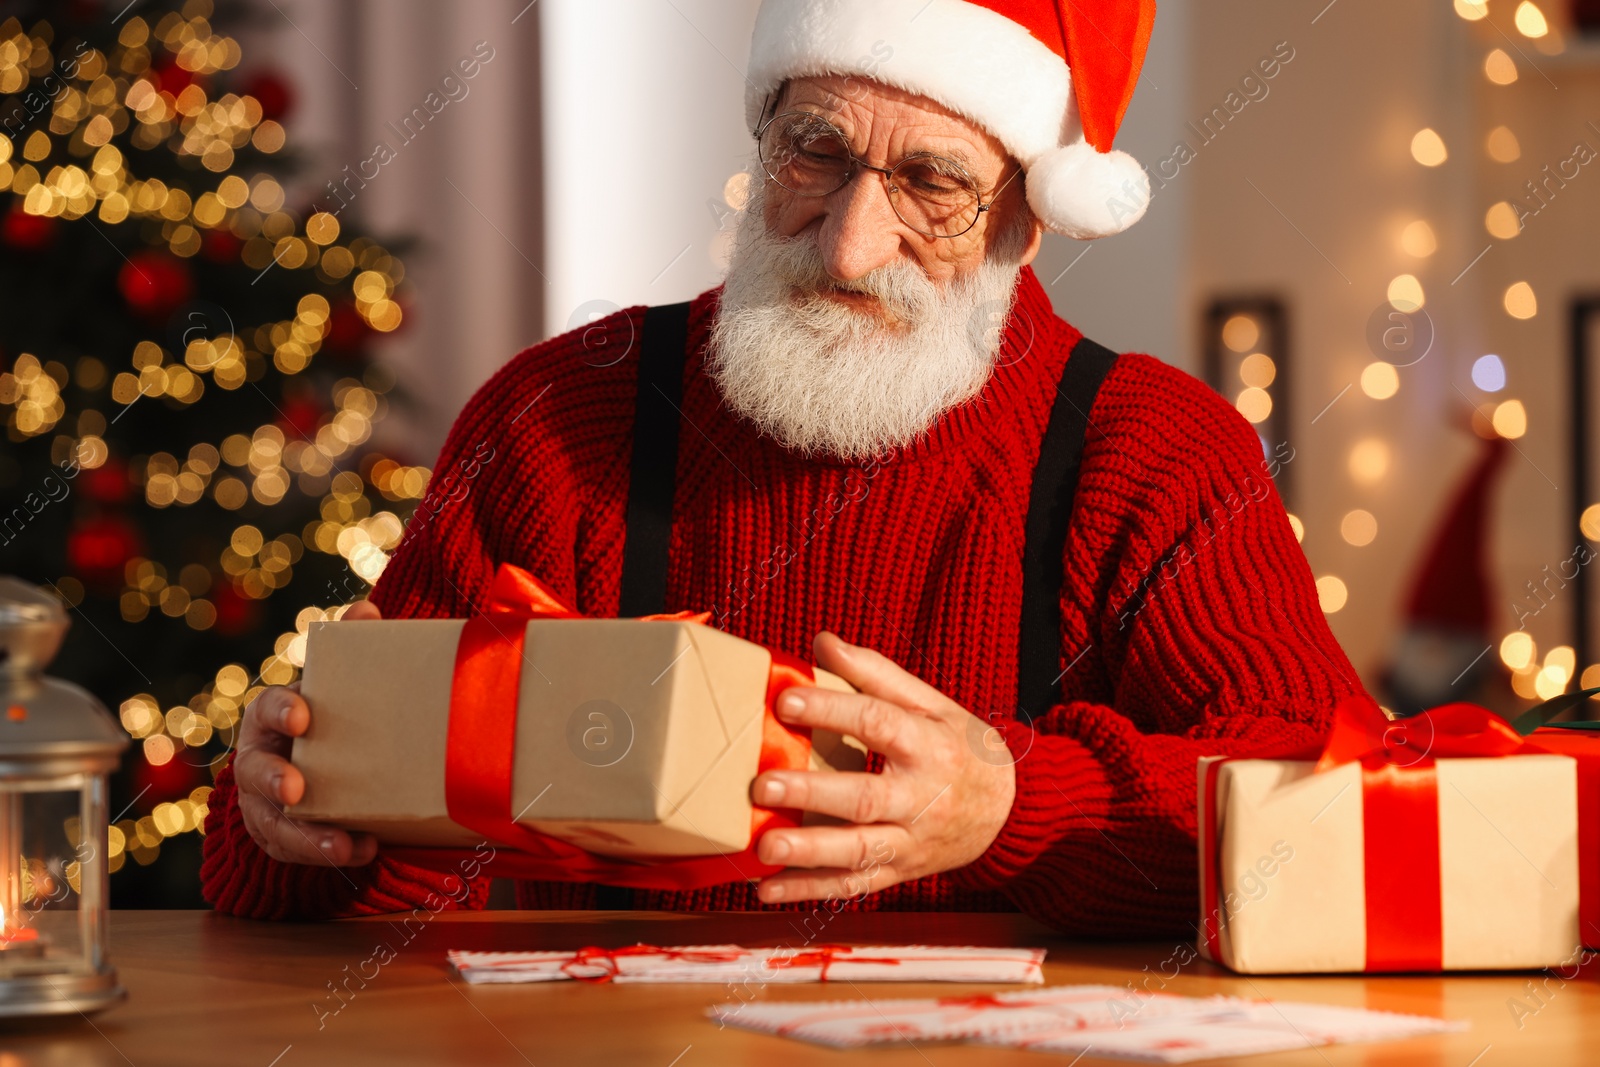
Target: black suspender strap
column 652, row 479
column 1055, row 484
column 653, row 475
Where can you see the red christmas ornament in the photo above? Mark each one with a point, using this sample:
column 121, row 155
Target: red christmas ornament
column 155, row 783
column 236, row 614
column 347, row 331
column 171, row 78
column 155, row 284
column 99, row 549
column 300, row 417
column 25, row 231
column 221, row 246
column 107, row 483
column 273, row 93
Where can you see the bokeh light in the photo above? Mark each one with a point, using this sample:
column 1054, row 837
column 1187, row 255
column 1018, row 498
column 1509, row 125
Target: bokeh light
column 1530, row 20
column 1520, row 302
column 1510, row 419
column 1499, row 67
column 1380, row 380
column 1240, row 333
column 1418, row 239
column 1332, row 594
column 1359, row 527
column 1489, row 373
column 1427, row 147
column 1369, row 461
column 1502, row 145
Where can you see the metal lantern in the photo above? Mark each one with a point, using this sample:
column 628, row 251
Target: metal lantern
column 58, row 747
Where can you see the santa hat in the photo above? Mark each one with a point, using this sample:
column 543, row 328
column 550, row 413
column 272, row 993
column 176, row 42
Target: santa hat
column 1439, row 653
column 1452, row 588
column 1050, row 79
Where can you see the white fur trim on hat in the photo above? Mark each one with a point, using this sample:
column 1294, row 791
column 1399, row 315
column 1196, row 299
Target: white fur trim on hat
column 1078, row 191
column 974, row 61
column 970, row 59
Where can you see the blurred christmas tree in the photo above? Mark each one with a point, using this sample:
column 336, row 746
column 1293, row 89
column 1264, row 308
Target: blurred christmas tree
column 185, row 391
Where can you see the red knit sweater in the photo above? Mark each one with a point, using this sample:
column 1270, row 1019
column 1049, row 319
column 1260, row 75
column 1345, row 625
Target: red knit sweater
column 1190, row 619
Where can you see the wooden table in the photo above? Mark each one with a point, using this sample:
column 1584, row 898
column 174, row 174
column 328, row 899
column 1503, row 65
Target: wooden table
column 206, row 989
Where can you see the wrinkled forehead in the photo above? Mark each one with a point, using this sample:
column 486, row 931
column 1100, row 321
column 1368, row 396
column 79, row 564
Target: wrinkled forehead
column 884, row 114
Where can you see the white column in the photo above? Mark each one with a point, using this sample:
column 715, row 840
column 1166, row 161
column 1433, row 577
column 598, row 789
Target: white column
column 644, row 124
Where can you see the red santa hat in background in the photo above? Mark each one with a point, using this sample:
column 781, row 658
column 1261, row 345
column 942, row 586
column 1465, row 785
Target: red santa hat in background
column 1440, row 654
column 1452, row 588
column 1050, row 79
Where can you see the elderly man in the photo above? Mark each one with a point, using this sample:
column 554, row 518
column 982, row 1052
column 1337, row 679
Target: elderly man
column 1056, row 576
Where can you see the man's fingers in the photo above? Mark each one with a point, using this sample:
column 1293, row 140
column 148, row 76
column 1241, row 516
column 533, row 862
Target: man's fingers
column 279, row 710
column 267, row 781
column 856, row 798
column 876, row 674
column 293, row 841
column 361, row 609
column 830, row 884
column 858, row 848
column 263, row 773
column 878, row 724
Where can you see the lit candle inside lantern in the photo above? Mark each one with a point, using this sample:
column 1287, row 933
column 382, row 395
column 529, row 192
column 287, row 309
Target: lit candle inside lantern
column 14, row 936
column 58, row 746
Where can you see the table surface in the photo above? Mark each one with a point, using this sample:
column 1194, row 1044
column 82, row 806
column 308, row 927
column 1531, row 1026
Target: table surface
column 208, row 989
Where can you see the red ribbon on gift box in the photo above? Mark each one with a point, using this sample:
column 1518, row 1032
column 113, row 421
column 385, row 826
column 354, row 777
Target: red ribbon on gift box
column 1400, row 798
column 481, row 747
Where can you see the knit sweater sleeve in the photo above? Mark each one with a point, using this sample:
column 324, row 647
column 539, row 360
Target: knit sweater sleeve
column 238, row 878
column 502, row 489
column 1203, row 636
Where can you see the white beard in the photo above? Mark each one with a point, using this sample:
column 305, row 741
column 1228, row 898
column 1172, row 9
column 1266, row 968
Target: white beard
column 821, row 377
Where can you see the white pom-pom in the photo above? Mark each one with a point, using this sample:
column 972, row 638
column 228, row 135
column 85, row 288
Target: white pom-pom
column 1082, row 193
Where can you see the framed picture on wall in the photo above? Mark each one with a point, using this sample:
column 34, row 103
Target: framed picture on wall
column 1584, row 499
column 1586, row 17
column 1246, row 359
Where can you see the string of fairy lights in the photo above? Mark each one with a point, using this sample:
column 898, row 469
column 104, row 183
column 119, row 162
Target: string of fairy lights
column 114, row 93
column 1369, row 459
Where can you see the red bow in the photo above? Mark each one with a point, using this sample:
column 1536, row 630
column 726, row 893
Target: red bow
column 1362, row 732
column 1400, row 804
column 481, row 747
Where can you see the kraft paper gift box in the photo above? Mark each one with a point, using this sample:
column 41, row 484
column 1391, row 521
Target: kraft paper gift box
column 633, row 738
column 1414, row 855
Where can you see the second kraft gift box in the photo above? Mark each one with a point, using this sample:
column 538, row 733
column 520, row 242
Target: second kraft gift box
column 633, row 738
column 1442, row 842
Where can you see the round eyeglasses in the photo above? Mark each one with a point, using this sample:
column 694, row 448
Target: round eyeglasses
column 810, row 156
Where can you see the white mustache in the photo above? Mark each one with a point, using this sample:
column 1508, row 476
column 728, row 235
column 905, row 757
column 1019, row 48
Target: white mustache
column 900, row 287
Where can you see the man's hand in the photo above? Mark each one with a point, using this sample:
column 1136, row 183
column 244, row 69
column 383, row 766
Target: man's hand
column 945, row 791
column 267, row 781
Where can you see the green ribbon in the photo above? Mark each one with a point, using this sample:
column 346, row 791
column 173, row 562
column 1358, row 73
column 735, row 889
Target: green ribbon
column 1541, row 714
